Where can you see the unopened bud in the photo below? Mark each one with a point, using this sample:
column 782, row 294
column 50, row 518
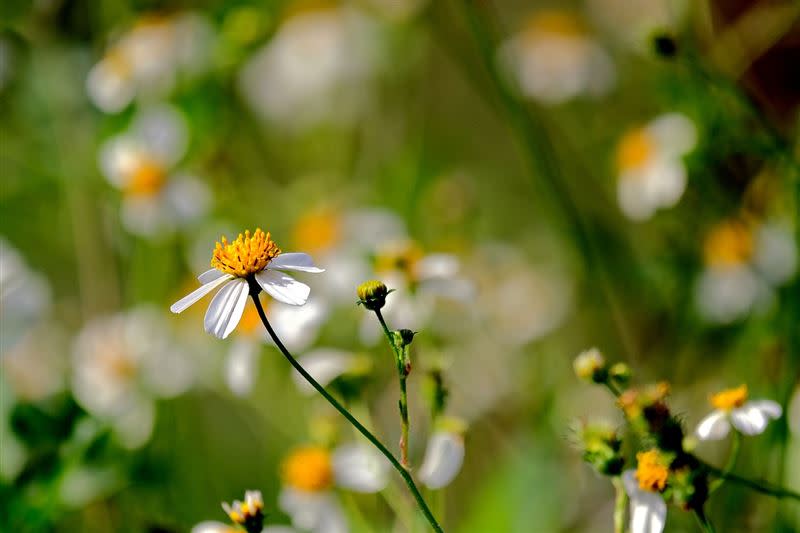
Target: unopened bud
column 372, row 294
column 601, row 448
column 590, row 366
column 620, row 372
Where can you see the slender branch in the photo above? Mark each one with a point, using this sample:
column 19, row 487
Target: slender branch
column 734, row 455
column 758, row 486
column 705, row 523
column 350, row 418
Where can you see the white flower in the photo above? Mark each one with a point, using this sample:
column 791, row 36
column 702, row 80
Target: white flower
column 648, row 509
column 24, row 296
column 310, row 473
column 120, row 364
column 554, row 59
column 147, row 60
column 141, row 161
column 651, row 174
column 635, row 23
column 324, row 365
column 443, row 459
column 247, row 258
column 732, row 407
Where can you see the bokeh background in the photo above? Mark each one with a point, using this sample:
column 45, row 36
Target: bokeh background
column 534, row 178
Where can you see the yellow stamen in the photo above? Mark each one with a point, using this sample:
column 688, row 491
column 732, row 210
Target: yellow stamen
column 246, row 255
column 729, row 399
column 236, row 517
column 728, row 243
column 308, row 469
column 651, row 472
column 634, row 149
column 147, row 179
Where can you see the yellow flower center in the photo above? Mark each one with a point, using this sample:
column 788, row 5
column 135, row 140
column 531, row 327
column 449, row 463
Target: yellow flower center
column 729, row 398
column 634, row 149
column 728, row 243
column 246, row 255
column 317, row 231
column 147, row 179
column 651, row 472
column 554, row 22
column 308, row 469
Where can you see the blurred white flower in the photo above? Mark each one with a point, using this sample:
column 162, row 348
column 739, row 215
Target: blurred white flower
column 212, row 526
column 120, row 364
column 309, row 475
column 235, row 263
column 732, row 407
column 24, row 296
column 744, row 260
column 644, row 486
column 554, row 59
column 650, row 171
column 444, row 456
column 147, row 60
column 635, row 23
column 141, row 162
column 36, row 366
column 315, row 67
column 324, row 365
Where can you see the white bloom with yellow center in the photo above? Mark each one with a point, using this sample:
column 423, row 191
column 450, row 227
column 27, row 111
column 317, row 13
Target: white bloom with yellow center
column 141, row 163
column 650, row 171
column 554, row 59
column 733, row 408
column 248, row 259
column 120, row 364
column 309, row 475
column 644, row 486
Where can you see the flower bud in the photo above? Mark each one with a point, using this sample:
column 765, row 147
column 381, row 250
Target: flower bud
column 601, row 449
column 406, row 336
column 372, row 294
column 620, row 373
column 590, row 365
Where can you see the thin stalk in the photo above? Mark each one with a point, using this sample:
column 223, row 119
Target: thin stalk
column 403, row 369
column 758, row 486
column 350, row 418
column 620, row 503
column 734, row 455
column 705, row 523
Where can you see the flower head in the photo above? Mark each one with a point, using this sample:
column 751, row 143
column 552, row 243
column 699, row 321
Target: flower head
column 248, row 513
column 372, row 294
column 590, row 365
column 731, row 406
column 652, row 471
column 308, row 469
column 249, row 263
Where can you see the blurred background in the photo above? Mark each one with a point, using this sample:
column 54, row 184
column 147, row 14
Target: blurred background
column 533, row 178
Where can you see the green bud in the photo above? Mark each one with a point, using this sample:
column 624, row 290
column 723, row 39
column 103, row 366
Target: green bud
column 621, row 373
column 406, row 336
column 372, row 294
column 601, row 448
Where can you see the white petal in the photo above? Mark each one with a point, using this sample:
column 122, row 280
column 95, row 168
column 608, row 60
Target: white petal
column 324, row 365
column 226, row 309
column 749, row 420
column 198, row 293
column 443, row 459
column 437, row 266
column 648, row 513
column 276, row 529
column 713, row 427
column 768, row 408
column 210, row 526
column 283, row 288
column 294, row 261
column 210, row 275
column 631, row 485
column 241, row 367
column 359, row 468
column 312, row 511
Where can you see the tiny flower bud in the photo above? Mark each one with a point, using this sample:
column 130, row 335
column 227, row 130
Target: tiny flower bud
column 590, row 366
column 406, row 336
column 620, row 372
column 601, row 449
column 372, row 294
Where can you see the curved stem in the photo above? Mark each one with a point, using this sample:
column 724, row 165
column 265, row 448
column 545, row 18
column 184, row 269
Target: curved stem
column 737, row 439
column 758, row 486
column 350, row 418
column 402, row 373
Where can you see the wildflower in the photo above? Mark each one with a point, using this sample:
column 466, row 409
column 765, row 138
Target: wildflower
column 141, row 163
column 650, row 170
column 590, row 365
column 121, row 364
column 309, row 475
column 732, row 407
column 245, row 264
column 554, row 59
column 744, row 261
column 24, row 296
column 248, row 513
column 372, row 294
column 601, row 448
column 148, row 58
column 444, row 454
column 644, row 487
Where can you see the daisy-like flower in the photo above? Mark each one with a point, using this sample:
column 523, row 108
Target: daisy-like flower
column 732, row 407
column 650, row 170
column 554, row 59
column 248, row 263
column 744, row 261
column 147, row 59
column 310, row 474
column 141, row 163
column 444, row 454
column 644, row 487
column 248, row 514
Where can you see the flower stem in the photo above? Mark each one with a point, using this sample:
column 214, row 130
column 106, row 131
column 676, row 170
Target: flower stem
column 717, row 483
column 758, row 486
column 620, row 503
column 705, row 523
column 403, row 369
column 350, row 418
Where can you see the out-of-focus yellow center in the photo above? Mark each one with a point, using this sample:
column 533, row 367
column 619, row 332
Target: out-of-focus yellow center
column 634, row 150
column 317, row 231
column 147, row 179
column 402, row 257
column 250, row 321
column 651, row 472
column 729, row 398
column 118, row 63
column 246, row 255
column 728, row 243
column 554, row 22
column 308, row 469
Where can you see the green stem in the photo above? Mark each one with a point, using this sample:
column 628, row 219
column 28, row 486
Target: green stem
column 350, row 418
column 734, row 455
column 758, row 486
column 403, row 369
column 620, row 503
column 705, row 523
